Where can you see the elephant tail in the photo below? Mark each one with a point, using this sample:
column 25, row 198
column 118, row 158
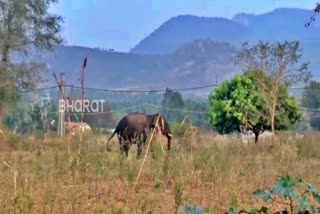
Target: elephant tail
column 118, row 129
column 114, row 132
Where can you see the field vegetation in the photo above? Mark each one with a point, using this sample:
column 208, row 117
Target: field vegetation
column 66, row 175
column 43, row 173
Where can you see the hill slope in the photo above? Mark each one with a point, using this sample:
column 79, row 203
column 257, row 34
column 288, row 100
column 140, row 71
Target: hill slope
column 186, row 28
column 186, row 51
column 279, row 24
column 196, row 63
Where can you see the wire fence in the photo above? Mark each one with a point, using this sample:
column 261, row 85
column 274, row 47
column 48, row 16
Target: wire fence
column 145, row 91
column 123, row 90
column 157, row 91
column 181, row 110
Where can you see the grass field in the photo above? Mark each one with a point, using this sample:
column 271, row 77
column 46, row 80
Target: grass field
column 69, row 176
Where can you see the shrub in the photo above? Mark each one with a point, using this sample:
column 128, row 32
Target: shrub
column 287, row 189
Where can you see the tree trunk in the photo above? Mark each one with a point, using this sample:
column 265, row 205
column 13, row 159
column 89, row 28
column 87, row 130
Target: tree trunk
column 274, row 106
column 256, row 136
column 5, row 54
column 273, row 113
column 1, row 115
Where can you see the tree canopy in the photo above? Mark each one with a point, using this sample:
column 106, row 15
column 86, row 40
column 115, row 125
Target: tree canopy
column 238, row 103
column 311, row 100
column 311, row 95
column 24, row 25
column 172, row 100
column 279, row 61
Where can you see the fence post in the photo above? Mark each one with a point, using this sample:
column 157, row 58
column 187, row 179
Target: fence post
column 61, row 119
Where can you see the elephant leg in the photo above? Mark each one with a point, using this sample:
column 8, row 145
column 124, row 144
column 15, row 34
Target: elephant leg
column 144, row 138
column 122, row 145
column 139, row 149
column 141, row 142
column 127, row 148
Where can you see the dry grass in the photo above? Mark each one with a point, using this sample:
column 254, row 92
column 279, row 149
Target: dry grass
column 66, row 176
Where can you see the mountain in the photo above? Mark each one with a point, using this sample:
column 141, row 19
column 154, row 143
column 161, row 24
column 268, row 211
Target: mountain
column 277, row 25
column 280, row 24
column 186, row 28
column 186, row 51
column 201, row 62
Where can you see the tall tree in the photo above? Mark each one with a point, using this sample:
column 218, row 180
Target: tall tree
column 311, row 100
column 311, row 95
column 172, row 100
column 281, row 61
column 24, row 24
column 238, row 103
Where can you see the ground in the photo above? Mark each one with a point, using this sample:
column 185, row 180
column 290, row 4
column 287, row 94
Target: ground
column 68, row 176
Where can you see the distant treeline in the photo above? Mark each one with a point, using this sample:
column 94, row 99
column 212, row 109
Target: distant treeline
column 34, row 113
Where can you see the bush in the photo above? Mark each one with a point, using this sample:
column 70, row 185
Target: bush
column 287, row 189
column 179, row 130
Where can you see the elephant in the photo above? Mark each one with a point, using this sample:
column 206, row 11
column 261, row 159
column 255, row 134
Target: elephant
column 133, row 128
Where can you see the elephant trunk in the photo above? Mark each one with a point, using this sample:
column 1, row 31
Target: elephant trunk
column 169, row 137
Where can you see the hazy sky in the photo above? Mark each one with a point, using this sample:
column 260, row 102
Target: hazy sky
column 121, row 24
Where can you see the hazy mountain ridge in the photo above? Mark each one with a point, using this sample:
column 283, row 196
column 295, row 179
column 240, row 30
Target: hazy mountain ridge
column 197, row 63
column 277, row 25
column 185, row 51
column 183, row 29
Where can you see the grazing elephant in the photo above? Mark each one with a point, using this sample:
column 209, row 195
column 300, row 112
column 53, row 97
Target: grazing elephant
column 132, row 129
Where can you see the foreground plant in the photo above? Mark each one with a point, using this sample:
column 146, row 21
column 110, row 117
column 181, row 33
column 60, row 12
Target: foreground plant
column 191, row 209
column 287, row 189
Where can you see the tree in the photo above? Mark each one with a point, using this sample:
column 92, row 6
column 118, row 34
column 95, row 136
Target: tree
column 24, row 24
column 238, row 103
column 312, row 18
column 201, row 107
column 280, row 61
column 311, row 95
column 102, row 120
column 311, row 100
column 171, row 101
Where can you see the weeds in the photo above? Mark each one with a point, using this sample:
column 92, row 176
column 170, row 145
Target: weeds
column 63, row 175
column 191, row 209
column 178, row 191
column 286, row 194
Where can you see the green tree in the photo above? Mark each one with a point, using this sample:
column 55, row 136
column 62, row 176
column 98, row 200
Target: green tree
column 311, row 95
column 311, row 100
column 280, row 61
column 24, row 25
column 172, row 101
column 238, row 103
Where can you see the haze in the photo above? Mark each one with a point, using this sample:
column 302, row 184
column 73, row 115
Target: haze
column 120, row 25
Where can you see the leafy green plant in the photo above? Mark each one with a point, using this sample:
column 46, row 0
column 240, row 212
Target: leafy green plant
column 263, row 210
column 287, row 189
column 191, row 209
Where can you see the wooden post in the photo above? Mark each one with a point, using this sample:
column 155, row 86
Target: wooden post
column 82, row 85
column 82, row 95
column 61, row 120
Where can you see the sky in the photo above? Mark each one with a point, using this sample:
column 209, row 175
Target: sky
column 121, row 24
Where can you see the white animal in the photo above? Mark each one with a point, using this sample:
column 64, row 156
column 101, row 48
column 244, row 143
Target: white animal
column 74, row 128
